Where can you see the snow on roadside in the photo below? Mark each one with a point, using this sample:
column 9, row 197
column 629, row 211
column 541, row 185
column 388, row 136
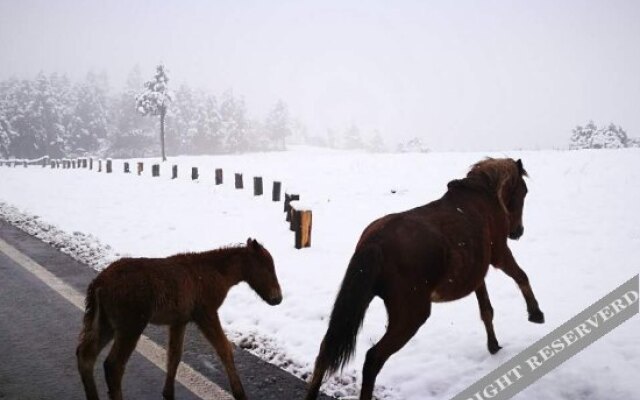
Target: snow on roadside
column 85, row 248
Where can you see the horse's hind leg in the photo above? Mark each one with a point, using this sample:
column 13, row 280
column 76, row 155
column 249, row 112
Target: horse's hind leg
column 212, row 330
column 510, row 267
column 486, row 313
column 123, row 346
column 405, row 318
column 318, row 374
column 176, row 340
column 91, row 344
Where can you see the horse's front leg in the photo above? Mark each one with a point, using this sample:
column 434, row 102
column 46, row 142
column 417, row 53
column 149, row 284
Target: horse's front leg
column 486, row 313
column 212, row 330
column 510, row 267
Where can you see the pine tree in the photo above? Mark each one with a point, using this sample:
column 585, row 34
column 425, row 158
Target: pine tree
column 278, row 126
column 234, row 125
column 88, row 127
column 155, row 100
column 131, row 134
column 352, row 138
column 376, row 144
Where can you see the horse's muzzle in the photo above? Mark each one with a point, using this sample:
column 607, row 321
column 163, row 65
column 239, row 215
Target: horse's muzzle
column 274, row 299
column 517, row 234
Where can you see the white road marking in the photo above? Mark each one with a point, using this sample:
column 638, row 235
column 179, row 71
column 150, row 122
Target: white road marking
column 194, row 381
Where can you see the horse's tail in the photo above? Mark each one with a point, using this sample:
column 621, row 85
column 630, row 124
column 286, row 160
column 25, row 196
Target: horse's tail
column 356, row 292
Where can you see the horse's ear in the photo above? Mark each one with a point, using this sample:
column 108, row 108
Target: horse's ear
column 521, row 167
column 253, row 244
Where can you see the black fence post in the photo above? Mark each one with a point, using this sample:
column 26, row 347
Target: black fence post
column 239, row 184
column 277, row 187
column 257, row 186
column 219, row 177
column 194, row 173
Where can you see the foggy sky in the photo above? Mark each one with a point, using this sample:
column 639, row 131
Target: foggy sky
column 467, row 75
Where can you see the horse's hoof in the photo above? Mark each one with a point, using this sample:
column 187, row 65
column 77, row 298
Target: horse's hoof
column 536, row 317
column 494, row 348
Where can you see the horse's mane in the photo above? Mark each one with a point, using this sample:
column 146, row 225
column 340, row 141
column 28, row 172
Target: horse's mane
column 490, row 175
column 496, row 170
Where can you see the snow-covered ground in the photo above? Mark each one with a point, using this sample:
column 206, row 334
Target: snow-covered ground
column 582, row 239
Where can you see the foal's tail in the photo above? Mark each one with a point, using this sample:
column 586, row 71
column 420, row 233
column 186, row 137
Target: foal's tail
column 91, row 320
column 89, row 342
column 356, row 292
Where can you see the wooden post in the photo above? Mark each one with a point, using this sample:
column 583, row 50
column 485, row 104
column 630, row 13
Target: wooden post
column 45, row 161
column 73, row 164
column 140, row 168
column 194, row 173
column 277, row 187
column 303, row 228
column 84, row 163
column 53, row 164
column 293, row 219
column 219, row 177
column 239, row 184
column 99, row 165
column 109, row 166
column 174, row 172
column 126, row 168
column 91, row 163
column 257, row 186
column 155, row 170
column 24, row 163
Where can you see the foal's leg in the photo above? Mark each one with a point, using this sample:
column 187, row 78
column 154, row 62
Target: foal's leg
column 212, row 330
column 123, row 346
column 510, row 267
column 176, row 339
column 405, row 318
column 486, row 313
column 91, row 344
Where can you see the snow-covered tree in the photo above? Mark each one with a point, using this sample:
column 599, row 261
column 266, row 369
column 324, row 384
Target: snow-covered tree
column 592, row 137
column 277, row 125
column 376, row 144
column 414, row 145
column 131, row 135
column 234, row 124
column 88, row 125
column 352, row 138
column 155, row 100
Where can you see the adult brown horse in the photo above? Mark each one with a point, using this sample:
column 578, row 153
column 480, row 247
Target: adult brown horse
column 133, row 292
column 434, row 253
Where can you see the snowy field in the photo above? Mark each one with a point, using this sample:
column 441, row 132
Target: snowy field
column 582, row 239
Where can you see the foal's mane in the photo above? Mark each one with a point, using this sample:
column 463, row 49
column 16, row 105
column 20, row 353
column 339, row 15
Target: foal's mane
column 214, row 254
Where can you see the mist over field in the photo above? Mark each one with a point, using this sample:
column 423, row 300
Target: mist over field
column 456, row 76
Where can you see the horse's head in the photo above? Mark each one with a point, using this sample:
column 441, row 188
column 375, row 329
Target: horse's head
column 506, row 177
column 513, row 197
column 260, row 273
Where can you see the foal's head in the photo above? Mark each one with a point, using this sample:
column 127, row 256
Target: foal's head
column 507, row 177
column 260, row 273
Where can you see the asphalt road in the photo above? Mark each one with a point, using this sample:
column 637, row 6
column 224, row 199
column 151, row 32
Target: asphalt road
column 39, row 329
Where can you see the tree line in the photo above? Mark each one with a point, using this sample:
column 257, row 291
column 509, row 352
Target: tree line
column 50, row 115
